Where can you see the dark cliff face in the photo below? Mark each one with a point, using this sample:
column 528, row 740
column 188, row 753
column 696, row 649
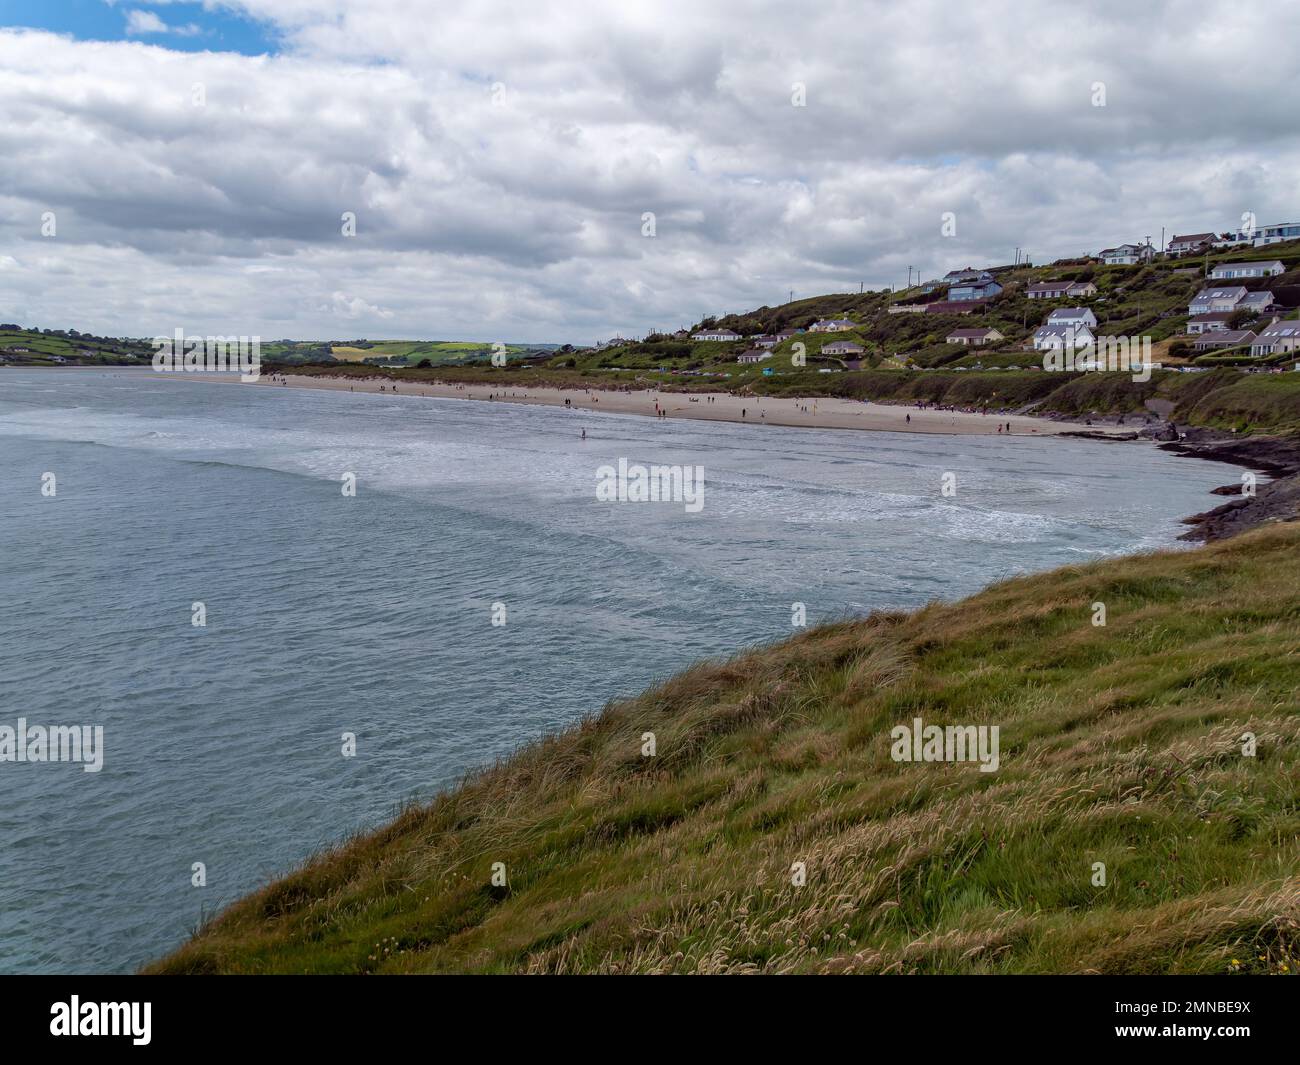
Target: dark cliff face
column 1276, row 500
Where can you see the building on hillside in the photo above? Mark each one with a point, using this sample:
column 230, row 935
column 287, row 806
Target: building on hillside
column 1212, row 300
column 1277, row 338
column 1207, row 323
column 1191, row 242
column 973, row 290
column 786, row 334
column 1262, row 236
column 1076, row 316
column 765, row 341
column 841, row 347
column 832, row 325
column 1128, row 254
column 1257, row 302
column 1230, row 271
column 715, row 334
column 1048, row 290
column 754, row 355
column 974, row 338
column 1222, row 338
column 953, row 306
column 1047, row 337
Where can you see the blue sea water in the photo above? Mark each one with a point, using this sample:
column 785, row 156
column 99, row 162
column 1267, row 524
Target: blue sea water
column 372, row 614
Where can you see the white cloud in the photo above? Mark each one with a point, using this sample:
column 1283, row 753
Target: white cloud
column 516, row 212
column 143, row 22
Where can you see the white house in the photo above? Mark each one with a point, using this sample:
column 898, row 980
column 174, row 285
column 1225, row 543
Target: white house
column 1190, row 242
column 1047, row 337
column 1076, row 316
column 1278, row 337
column 715, row 334
column 973, row 337
column 832, row 325
column 754, row 355
column 1256, row 302
column 1271, row 234
column 1209, row 323
column 1228, row 271
column 1128, row 254
column 1212, row 300
column 841, row 347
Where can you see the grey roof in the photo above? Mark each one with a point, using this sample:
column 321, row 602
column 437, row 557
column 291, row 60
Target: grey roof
column 1281, row 329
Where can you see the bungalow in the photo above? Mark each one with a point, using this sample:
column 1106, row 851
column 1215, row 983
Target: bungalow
column 832, row 325
column 1190, row 242
column 1277, row 338
column 1228, row 271
column 786, row 334
column 1047, row 337
column 841, row 347
column 973, row 337
column 973, row 290
column 1205, row 323
column 715, row 334
column 753, row 355
column 1223, row 338
column 1076, row 316
column 1256, row 302
column 1048, row 290
column 1128, row 254
column 1210, row 300
column 765, row 341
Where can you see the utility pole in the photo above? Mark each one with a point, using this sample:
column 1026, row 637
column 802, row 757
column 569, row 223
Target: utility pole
column 1162, row 240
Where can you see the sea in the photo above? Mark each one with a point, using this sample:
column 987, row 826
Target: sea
column 230, row 580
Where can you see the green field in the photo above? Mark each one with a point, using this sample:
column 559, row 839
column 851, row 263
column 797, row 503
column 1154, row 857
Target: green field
column 1122, row 746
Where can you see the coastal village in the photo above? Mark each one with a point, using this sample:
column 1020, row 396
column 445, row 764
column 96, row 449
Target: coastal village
column 1207, row 300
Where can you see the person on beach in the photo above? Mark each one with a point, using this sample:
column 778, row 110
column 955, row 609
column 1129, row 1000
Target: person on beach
column 584, row 434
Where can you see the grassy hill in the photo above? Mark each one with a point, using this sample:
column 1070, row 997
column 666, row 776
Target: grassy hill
column 907, row 359
column 1119, row 745
column 35, row 347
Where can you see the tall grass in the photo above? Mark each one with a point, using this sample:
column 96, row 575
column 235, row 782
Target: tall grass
column 1120, row 744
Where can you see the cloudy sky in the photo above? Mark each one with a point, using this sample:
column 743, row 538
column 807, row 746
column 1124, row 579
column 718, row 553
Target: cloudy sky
column 500, row 158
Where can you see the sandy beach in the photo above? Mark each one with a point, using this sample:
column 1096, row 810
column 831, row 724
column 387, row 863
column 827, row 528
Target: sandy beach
column 819, row 413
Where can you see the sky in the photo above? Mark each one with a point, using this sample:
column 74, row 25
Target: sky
column 570, row 171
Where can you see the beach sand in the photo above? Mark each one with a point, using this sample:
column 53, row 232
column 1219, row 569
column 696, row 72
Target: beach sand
column 820, row 413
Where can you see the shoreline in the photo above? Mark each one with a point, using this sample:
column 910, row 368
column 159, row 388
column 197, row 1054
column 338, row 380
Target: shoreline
column 814, row 413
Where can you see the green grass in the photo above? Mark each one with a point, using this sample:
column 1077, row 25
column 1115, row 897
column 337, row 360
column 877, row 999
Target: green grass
column 1119, row 744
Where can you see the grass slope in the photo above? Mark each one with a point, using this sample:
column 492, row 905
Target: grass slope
column 1120, row 744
